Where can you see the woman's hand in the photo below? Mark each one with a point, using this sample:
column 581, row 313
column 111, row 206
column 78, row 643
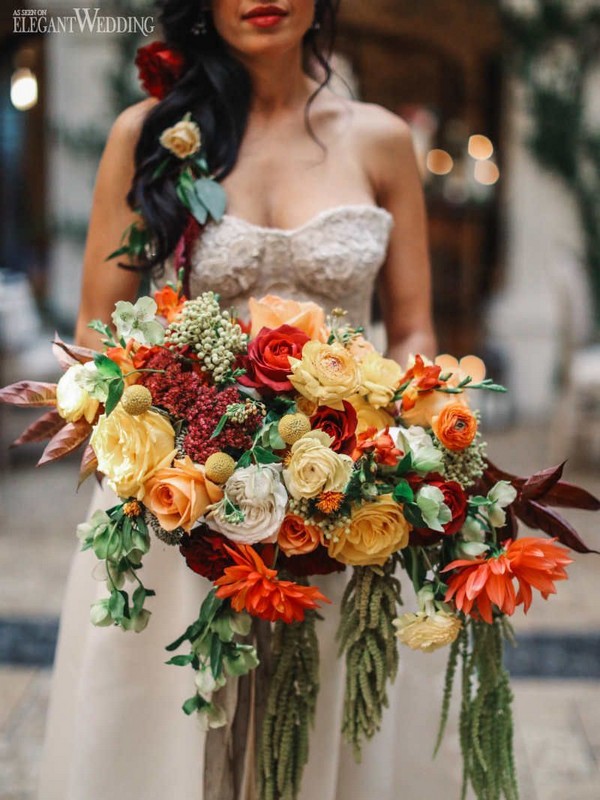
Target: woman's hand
column 104, row 282
column 405, row 279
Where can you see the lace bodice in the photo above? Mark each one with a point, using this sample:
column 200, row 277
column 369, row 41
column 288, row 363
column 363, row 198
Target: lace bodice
column 333, row 259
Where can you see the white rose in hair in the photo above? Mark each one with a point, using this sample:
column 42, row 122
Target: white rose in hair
column 253, row 505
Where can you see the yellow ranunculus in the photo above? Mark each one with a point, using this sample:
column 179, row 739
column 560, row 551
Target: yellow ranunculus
column 380, row 377
column 376, row 531
column 131, row 449
column 326, row 374
column 426, row 632
column 368, row 416
column 183, row 139
column 314, row 468
column 72, row 400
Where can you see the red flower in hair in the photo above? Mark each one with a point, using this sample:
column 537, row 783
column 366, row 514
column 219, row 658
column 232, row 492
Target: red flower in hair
column 253, row 587
column 159, row 67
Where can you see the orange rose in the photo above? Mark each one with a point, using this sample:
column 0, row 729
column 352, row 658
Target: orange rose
column 455, row 426
column 169, row 303
column 296, row 537
column 272, row 312
column 179, row 495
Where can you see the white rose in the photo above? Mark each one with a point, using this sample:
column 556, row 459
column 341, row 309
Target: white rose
column 72, row 401
column 416, row 440
column 253, row 505
column 314, row 467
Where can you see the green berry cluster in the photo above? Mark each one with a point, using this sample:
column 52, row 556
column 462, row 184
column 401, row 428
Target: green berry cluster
column 214, row 336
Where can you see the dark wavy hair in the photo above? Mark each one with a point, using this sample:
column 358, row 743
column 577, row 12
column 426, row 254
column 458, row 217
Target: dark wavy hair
column 215, row 87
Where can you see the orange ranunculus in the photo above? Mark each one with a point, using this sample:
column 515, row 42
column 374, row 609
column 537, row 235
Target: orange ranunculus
column 382, row 445
column 455, row 426
column 273, row 311
column 479, row 584
column 179, row 495
column 253, row 587
column 296, row 538
column 169, row 303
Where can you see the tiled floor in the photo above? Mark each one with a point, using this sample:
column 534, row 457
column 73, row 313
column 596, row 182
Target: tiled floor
column 557, row 722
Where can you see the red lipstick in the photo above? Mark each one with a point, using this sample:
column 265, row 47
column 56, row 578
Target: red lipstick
column 265, row 16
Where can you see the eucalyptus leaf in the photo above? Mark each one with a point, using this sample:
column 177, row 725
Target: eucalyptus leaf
column 212, row 196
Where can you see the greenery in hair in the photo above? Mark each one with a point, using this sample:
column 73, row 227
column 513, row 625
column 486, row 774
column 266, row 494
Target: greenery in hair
column 367, row 637
column 291, row 703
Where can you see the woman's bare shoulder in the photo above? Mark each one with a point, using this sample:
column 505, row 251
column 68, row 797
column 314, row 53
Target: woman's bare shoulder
column 127, row 127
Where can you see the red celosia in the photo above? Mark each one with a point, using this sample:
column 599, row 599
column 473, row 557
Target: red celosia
column 319, row 562
column 253, row 587
column 381, row 444
column 479, row 584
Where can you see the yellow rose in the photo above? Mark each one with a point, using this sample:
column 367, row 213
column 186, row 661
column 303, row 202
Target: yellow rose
column 72, row 400
column 427, row 632
column 314, row 468
column 131, row 449
column 368, row 416
column 272, row 311
column 183, row 139
column 376, row 531
column 380, row 377
column 326, row 374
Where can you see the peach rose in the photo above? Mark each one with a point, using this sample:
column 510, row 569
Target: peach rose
column 296, row 537
column 359, row 347
column 377, row 530
column 273, row 311
column 369, row 417
column 455, row 426
column 179, row 495
column 183, row 139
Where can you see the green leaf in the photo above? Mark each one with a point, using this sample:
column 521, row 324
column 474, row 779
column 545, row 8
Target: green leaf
column 263, row 456
column 413, row 515
column 221, row 424
column 115, row 392
column 403, row 492
column 99, row 326
column 405, row 464
column 216, row 656
column 122, row 251
column 139, row 597
column 106, row 366
column 160, row 169
column 118, row 605
column 181, row 661
column 209, row 608
column 245, row 460
column 212, row 196
column 194, row 703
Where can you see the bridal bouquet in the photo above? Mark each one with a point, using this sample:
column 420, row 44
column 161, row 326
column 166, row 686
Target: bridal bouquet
column 286, row 449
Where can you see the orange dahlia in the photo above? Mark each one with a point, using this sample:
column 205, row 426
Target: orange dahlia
column 478, row 585
column 253, row 587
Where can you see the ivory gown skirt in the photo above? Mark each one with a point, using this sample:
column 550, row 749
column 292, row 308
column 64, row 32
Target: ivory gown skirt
column 115, row 729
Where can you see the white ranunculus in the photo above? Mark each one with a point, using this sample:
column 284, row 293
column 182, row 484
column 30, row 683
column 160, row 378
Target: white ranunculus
column 502, row 495
column 72, row 401
column 253, row 505
column 416, row 440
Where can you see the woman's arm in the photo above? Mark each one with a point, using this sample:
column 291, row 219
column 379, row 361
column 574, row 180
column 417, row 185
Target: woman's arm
column 405, row 279
column 104, row 282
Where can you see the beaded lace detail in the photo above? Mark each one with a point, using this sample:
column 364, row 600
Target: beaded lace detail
column 333, row 259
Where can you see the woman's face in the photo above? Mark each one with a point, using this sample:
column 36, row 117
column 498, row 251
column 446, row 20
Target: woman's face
column 254, row 27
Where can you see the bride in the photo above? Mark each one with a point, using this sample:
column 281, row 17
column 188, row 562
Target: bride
column 324, row 203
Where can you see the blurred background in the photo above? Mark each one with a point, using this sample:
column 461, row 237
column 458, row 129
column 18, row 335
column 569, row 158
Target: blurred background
column 504, row 102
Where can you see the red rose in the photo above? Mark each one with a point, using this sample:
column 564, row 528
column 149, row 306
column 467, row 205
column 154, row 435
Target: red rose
column 267, row 364
column 204, row 552
column 159, row 67
column 456, row 500
column 340, row 425
column 319, row 562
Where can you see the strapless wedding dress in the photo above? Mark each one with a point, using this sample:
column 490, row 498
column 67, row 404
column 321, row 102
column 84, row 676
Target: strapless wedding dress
column 115, row 728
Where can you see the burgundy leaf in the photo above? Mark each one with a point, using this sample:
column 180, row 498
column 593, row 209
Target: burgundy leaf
column 89, row 465
column 537, row 485
column 66, row 440
column 29, row 394
column 42, row 429
column 568, row 495
column 74, row 354
column 539, row 517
